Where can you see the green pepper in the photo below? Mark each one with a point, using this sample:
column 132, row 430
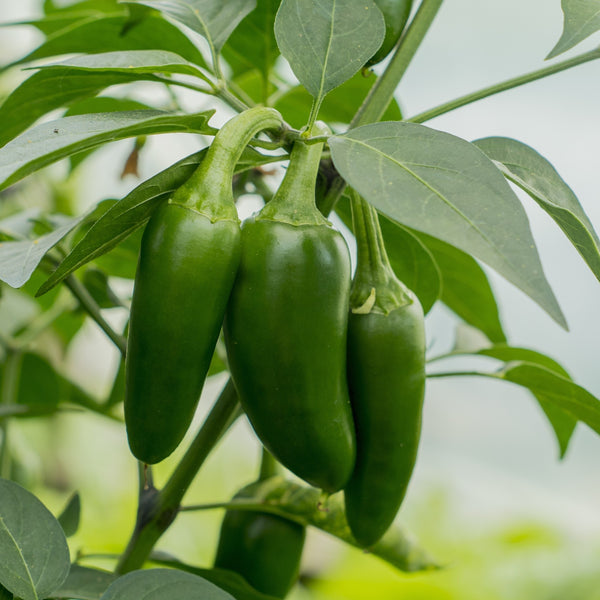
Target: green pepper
column 395, row 15
column 386, row 376
column 188, row 260
column 285, row 330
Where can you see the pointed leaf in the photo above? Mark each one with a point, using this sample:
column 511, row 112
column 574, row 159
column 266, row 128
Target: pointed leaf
column 215, row 20
column 69, row 518
column 534, row 174
column 441, row 185
column 85, row 583
column 35, row 556
column 160, row 584
column 49, row 142
column 328, row 41
column 582, row 19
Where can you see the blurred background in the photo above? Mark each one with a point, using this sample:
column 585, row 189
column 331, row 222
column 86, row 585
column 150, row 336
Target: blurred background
column 489, row 497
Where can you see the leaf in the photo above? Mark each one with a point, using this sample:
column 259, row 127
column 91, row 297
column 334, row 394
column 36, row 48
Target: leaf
column 35, row 556
column 134, row 210
column 465, row 288
column 441, row 185
column 412, row 262
column 49, row 142
column 85, row 583
column 230, row 581
column 96, row 282
column 19, row 259
column 534, row 174
column 305, row 505
column 116, row 33
column 104, row 104
column 69, row 518
column 327, row 41
column 215, row 20
column 139, row 62
column 582, row 19
column 338, row 107
column 160, row 584
column 5, row 594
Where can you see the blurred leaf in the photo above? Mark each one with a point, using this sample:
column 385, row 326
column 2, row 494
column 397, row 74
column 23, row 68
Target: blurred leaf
column 465, row 288
column 253, row 85
column 112, row 34
column 97, row 285
column 305, row 505
column 441, row 185
column 49, row 142
column 327, row 41
column 5, row 594
column 35, row 557
column 122, row 260
column 582, row 19
column 117, row 391
column 230, row 581
column 134, row 210
column 104, row 104
column 534, row 174
column 70, row 516
column 339, row 106
column 85, row 583
column 163, row 583
column 215, row 20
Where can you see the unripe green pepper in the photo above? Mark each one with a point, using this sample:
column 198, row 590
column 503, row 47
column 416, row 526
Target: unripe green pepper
column 285, row 330
column 386, row 376
column 395, row 15
column 188, row 260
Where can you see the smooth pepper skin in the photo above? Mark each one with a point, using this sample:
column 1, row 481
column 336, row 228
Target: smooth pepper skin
column 395, row 15
column 265, row 549
column 185, row 274
column 386, row 366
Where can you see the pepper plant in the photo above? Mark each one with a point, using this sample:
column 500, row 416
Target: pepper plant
column 300, row 76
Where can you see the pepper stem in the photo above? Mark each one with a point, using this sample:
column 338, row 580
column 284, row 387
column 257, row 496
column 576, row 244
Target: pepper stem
column 209, row 189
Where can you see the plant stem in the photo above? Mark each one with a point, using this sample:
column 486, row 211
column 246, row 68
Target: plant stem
column 505, row 85
column 8, row 395
column 91, row 307
column 460, row 374
column 268, row 466
column 161, row 508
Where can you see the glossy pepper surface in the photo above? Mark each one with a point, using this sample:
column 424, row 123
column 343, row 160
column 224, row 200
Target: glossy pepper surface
column 386, row 375
column 188, row 261
column 285, row 330
column 395, row 14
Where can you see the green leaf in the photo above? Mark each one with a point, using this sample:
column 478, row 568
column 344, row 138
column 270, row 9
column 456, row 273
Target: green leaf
column 252, row 45
column 160, row 584
column 117, row 33
column 19, row 259
column 35, row 556
column 85, row 583
column 139, row 62
column 338, row 107
column 96, row 282
column 69, row 518
column 48, row 90
column 133, row 211
column 534, row 174
column 305, row 505
column 49, row 142
column 104, row 104
column 465, row 288
column 5, row 594
column 215, row 20
column 412, row 262
column 442, row 185
column 230, row 581
column 582, row 19
column 327, row 41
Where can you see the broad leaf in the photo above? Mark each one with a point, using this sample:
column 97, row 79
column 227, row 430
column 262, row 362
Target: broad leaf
column 582, row 19
column 215, row 20
column 465, row 288
column 47, row 90
column 534, row 174
column 49, row 142
column 133, row 211
column 327, row 41
column 446, row 187
column 85, row 583
column 117, row 33
column 160, row 584
column 35, row 556
column 69, row 518
column 104, row 104
column 305, row 505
